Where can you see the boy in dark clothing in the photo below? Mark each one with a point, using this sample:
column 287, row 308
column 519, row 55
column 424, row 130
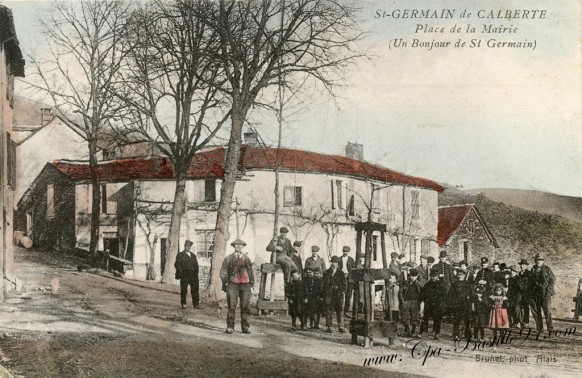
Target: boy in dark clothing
column 297, row 297
column 432, row 295
column 460, row 295
column 480, row 309
column 409, row 296
column 334, row 288
column 314, row 292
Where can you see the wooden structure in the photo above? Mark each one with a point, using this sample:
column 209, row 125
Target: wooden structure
column 264, row 304
column 578, row 300
column 367, row 326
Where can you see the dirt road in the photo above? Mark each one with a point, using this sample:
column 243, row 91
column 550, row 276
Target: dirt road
column 85, row 324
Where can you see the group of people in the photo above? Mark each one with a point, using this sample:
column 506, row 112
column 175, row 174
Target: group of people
column 477, row 298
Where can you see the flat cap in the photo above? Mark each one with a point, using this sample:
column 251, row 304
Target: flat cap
column 346, row 248
column 413, row 272
column 314, row 248
column 394, row 255
column 283, row 230
column 443, row 253
column 430, row 259
column 335, row 259
column 523, row 262
column 462, row 271
column 538, row 256
column 297, row 243
column 434, row 272
column 238, row 242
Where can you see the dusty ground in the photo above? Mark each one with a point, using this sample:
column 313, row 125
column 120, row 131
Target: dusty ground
column 97, row 325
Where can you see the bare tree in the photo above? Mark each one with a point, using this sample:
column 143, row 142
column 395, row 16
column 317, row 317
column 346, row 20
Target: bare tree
column 257, row 51
column 171, row 86
column 85, row 55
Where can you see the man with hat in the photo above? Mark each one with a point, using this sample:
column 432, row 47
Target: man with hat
column 296, row 256
column 315, row 262
column 238, row 280
column 283, row 249
column 484, row 277
column 460, row 296
column 394, row 266
column 432, row 295
column 444, row 269
column 523, row 297
column 346, row 265
column 409, row 301
column 423, row 270
column 187, row 272
column 334, row 288
column 430, row 262
column 542, row 282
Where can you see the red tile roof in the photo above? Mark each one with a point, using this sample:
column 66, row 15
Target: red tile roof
column 450, row 219
column 209, row 163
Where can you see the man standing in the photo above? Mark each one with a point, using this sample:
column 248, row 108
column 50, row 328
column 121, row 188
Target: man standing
column 409, row 296
column 346, row 265
column 423, row 270
column 296, row 256
column 394, row 265
column 315, row 262
column 334, row 288
column 523, row 295
column 283, row 249
column 238, row 279
column 484, row 277
column 542, row 289
column 444, row 269
column 187, row 272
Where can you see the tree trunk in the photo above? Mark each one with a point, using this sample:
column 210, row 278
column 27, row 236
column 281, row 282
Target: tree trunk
column 95, row 201
column 178, row 212
column 221, row 236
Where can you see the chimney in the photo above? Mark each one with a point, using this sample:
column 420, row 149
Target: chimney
column 355, row 151
column 46, row 116
column 252, row 139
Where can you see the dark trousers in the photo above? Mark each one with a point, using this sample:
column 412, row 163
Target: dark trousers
column 348, row 296
column 465, row 318
column 539, row 304
column 522, row 309
column 235, row 292
column 334, row 303
column 436, row 317
column 193, row 283
column 312, row 312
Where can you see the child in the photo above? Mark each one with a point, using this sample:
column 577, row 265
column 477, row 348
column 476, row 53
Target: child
column 432, row 295
column 297, row 297
column 391, row 303
column 498, row 319
column 409, row 300
column 313, row 290
column 480, row 314
column 460, row 295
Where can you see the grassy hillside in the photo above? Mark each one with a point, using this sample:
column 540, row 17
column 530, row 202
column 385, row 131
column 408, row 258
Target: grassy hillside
column 522, row 233
column 543, row 202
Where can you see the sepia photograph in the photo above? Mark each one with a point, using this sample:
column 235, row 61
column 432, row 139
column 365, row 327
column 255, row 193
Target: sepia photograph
column 290, row 188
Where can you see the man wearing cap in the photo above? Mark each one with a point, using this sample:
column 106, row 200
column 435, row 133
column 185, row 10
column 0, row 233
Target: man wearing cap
column 423, row 270
column 430, row 261
column 409, row 301
column 238, row 280
column 315, row 262
column 296, row 256
column 187, row 272
column 283, row 249
column 334, row 288
column 444, row 269
column 484, row 277
column 394, row 266
column 542, row 282
column 346, row 265
column 432, row 295
column 460, row 296
column 523, row 297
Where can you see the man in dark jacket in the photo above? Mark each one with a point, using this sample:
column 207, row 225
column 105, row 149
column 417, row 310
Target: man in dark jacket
column 445, row 270
column 460, row 296
column 409, row 297
column 187, row 272
column 433, row 294
column 314, row 291
column 238, row 280
column 484, row 277
column 283, row 250
column 346, row 264
column 334, row 288
column 423, row 271
column 542, row 282
column 523, row 295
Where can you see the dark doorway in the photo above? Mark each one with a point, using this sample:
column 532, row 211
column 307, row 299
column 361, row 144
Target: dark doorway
column 111, row 244
column 163, row 248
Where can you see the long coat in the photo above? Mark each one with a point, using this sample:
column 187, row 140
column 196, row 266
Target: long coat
column 334, row 285
column 447, row 273
column 186, row 266
column 297, row 294
column 433, row 294
column 542, row 281
column 460, row 296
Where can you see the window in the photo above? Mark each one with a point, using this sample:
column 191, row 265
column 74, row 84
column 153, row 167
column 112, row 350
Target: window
column 352, row 206
column 209, row 190
column 204, row 243
column 293, row 196
column 109, row 154
column 471, row 225
column 337, row 194
column 11, row 161
column 50, row 201
column 375, row 247
column 104, row 199
column 415, row 204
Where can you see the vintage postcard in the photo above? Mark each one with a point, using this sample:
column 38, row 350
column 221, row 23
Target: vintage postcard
column 291, row 188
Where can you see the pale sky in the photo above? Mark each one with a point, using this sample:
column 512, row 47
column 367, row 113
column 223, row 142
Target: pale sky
column 477, row 117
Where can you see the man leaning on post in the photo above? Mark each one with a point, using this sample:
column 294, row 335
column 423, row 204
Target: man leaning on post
column 237, row 281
